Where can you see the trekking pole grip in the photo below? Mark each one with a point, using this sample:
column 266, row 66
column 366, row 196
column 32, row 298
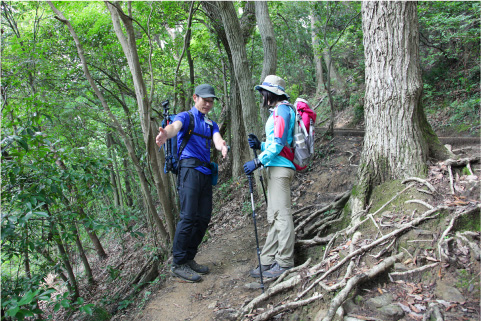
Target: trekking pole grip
column 250, row 183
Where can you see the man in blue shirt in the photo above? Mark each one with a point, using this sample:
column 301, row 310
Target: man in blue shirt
column 195, row 181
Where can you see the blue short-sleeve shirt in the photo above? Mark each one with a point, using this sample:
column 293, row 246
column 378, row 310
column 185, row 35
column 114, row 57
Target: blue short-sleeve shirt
column 198, row 147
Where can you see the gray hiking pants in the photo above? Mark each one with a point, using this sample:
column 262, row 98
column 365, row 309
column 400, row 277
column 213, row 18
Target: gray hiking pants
column 279, row 246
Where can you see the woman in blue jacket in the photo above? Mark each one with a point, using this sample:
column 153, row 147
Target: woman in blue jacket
column 277, row 255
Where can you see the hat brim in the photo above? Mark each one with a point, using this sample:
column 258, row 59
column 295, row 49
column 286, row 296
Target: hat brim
column 273, row 90
column 207, row 96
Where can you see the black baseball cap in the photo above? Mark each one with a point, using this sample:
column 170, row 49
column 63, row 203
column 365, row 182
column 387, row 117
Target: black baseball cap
column 205, row 91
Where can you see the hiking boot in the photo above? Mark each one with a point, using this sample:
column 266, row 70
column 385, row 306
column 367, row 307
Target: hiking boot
column 184, row 272
column 201, row 269
column 256, row 273
column 275, row 271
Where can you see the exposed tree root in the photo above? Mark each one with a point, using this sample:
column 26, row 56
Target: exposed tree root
column 433, row 311
column 443, row 241
column 462, row 161
column 290, row 305
column 395, row 276
column 355, row 227
column 429, row 206
column 422, row 181
column 301, row 276
column 303, row 209
column 355, row 281
column 326, row 274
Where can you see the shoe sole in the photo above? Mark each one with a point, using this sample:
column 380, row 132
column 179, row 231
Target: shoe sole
column 184, row 280
column 202, row 273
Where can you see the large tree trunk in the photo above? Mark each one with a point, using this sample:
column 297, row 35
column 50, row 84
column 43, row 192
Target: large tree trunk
column 394, row 144
column 243, row 74
column 266, row 30
column 239, row 142
column 241, row 66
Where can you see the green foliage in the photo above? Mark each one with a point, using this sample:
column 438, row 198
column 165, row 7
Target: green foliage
column 450, row 38
column 50, row 114
column 113, row 272
column 19, row 303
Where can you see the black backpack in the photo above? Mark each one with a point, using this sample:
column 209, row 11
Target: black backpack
column 172, row 155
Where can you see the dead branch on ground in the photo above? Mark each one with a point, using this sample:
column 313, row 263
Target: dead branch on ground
column 338, row 203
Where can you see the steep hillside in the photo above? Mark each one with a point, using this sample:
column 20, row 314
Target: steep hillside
column 419, row 284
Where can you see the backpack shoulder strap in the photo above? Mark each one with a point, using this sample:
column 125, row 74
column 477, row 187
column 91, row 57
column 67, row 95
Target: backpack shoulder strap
column 190, row 131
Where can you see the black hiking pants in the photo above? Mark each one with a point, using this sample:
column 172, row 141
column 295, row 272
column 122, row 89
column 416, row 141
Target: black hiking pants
column 195, row 194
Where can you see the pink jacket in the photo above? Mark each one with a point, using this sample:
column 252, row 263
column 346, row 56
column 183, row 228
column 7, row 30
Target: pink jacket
column 306, row 112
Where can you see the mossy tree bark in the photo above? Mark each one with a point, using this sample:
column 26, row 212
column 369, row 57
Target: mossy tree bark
column 396, row 143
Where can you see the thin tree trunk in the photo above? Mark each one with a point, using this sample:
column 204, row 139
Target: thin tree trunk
column 93, row 236
column 128, row 190
column 316, row 45
column 64, row 257
column 339, row 82
column 26, row 256
column 129, row 47
column 49, row 259
column 266, row 30
column 83, row 257
column 113, row 180
column 143, row 181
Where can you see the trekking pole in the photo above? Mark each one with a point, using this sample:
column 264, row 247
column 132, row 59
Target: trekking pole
column 255, row 229
column 168, row 142
column 262, row 180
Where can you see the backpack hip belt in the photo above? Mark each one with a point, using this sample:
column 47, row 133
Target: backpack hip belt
column 193, row 163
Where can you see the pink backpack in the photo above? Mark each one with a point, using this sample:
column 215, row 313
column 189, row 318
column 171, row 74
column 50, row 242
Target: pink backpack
column 303, row 133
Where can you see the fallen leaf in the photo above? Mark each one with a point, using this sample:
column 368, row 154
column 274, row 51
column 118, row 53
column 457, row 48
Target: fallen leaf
column 450, row 307
column 379, row 290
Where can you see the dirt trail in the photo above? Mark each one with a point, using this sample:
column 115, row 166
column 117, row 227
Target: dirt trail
column 229, row 257
column 230, row 251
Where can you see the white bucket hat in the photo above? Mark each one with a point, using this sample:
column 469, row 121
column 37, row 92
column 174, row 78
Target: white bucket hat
column 274, row 84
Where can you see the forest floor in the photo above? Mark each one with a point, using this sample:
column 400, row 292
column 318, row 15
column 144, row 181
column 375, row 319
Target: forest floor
column 230, row 252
